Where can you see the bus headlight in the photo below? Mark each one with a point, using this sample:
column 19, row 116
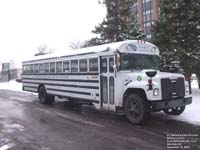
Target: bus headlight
column 156, row 92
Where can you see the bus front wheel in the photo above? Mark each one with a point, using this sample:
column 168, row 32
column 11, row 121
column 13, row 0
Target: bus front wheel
column 135, row 109
column 44, row 97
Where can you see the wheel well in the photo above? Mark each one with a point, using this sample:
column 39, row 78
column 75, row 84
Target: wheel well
column 139, row 92
column 41, row 85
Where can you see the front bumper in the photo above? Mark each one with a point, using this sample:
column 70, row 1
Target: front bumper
column 159, row 105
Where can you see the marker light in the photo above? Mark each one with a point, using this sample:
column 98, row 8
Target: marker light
column 150, row 81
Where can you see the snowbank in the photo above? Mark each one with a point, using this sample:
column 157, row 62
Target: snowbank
column 11, row 85
column 191, row 113
column 194, row 84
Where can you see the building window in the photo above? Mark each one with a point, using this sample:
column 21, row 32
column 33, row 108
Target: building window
column 149, row 36
column 148, row 17
column 83, row 65
column 93, row 65
column 74, row 66
column 148, row 30
column 146, row 5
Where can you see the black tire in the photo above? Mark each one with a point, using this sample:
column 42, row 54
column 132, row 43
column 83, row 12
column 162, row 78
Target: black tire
column 44, row 97
column 175, row 111
column 50, row 99
column 135, row 109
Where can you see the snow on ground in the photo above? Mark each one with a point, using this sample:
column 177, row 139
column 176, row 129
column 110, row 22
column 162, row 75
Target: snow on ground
column 191, row 114
column 11, row 85
column 194, row 84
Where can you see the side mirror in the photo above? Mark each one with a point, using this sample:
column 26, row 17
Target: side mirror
column 115, row 69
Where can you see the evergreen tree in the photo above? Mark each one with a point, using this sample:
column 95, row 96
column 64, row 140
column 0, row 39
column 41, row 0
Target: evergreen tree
column 119, row 23
column 178, row 33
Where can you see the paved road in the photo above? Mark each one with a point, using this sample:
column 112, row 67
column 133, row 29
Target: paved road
column 25, row 124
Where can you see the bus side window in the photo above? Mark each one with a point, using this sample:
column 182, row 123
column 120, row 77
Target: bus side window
column 104, row 65
column 24, row 68
column 41, row 68
column 111, row 64
column 31, row 68
column 46, row 67
column 65, row 66
column 83, row 65
column 52, row 67
column 27, row 68
column 36, row 68
column 59, row 66
column 74, row 66
column 93, row 65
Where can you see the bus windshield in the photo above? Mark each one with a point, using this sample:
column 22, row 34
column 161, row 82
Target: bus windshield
column 139, row 61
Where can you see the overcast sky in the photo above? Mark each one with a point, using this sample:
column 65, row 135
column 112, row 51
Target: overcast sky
column 27, row 24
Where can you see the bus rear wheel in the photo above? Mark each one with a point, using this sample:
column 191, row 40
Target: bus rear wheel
column 135, row 109
column 174, row 111
column 44, row 97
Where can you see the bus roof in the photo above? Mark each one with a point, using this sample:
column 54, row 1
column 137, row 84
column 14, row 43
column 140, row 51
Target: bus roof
column 96, row 49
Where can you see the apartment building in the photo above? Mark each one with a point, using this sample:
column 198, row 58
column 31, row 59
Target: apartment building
column 146, row 12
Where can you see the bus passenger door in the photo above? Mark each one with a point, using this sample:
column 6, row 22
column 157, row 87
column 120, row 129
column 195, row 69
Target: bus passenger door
column 107, row 82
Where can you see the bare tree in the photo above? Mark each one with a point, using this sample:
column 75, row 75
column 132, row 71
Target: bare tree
column 76, row 44
column 42, row 50
column 88, row 43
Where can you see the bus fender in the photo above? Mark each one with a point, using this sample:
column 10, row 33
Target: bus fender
column 138, row 91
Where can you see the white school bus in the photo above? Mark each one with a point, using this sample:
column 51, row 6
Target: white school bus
column 121, row 77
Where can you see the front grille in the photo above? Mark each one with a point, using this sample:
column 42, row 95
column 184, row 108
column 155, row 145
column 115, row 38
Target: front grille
column 172, row 88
